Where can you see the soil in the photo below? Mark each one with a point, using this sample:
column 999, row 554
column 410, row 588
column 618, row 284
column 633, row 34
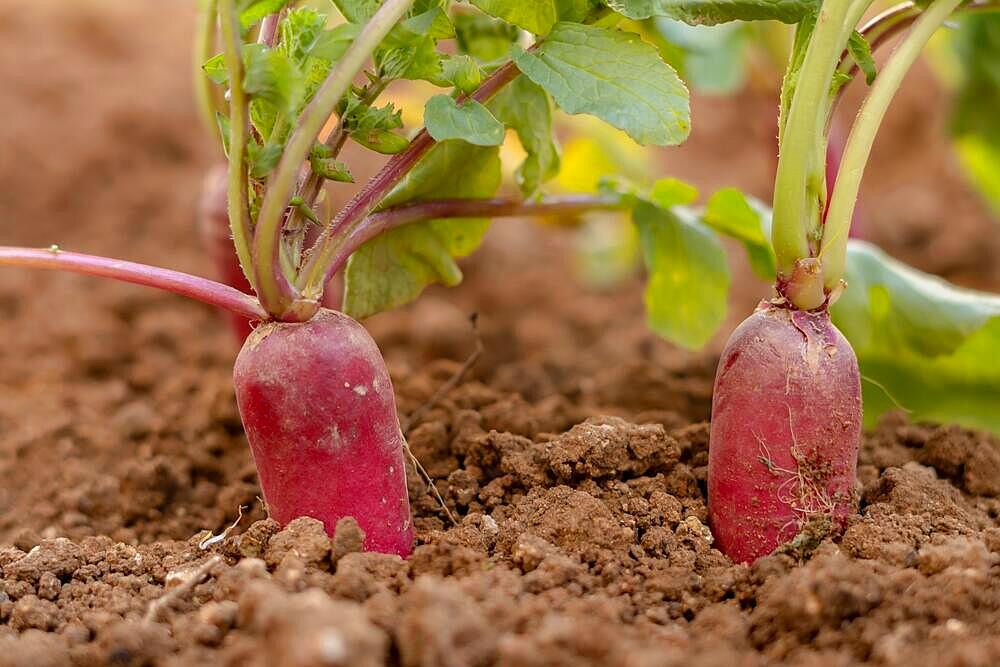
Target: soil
column 573, row 457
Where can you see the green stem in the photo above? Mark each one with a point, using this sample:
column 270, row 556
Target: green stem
column 799, row 183
column 239, row 128
column 204, row 41
column 862, row 137
column 275, row 292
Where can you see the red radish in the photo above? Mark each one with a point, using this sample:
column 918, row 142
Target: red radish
column 786, row 426
column 320, row 415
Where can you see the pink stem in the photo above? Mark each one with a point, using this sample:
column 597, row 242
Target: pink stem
column 200, row 289
column 498, row 207
column 392, row 173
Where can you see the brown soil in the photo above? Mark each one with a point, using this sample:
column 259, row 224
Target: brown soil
column 574, row 457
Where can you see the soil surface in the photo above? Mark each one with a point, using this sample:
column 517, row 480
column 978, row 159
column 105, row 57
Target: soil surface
column 572, row 458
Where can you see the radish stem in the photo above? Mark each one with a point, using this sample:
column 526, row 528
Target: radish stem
column 204, row 91
column 499, row 207
column 318, row 267
column 799, row 189
column 201, row 289
column 859, row 143
column 276, row 295
column 239, row 127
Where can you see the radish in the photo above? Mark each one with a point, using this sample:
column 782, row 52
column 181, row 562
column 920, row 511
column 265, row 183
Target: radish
column 320, row 415
column 786, row 413
column 786, row 423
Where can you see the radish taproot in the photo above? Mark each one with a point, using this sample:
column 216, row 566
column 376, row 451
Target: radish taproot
column 320, row 415
column 786, row 424
column 786, row 413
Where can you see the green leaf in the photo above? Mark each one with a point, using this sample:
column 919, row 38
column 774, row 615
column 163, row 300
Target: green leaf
column 462, row 71
column 484, row 38
column 525, row 108
column 711, row 12
column 272, row 76
column 394, row 268
column 975, row 122
column 471, row 121
column 433, row 23
column 381, row 141
column 215, row 69
column 669, row 192
column 222, row 120
column 861, row 52
column 729, row 212
column 612, row 75
column 536, row 16
column 323, row 162
column 416, row 59
column 688, row 277
column 575, row 11
column 257, row 10
column 930, row 346
column 263, row 159
column 357, row 11
column 332, row 44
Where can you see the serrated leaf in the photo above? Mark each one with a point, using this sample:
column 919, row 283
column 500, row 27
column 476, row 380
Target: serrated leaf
column 381, row 141
column 357, row 11
column 470, row 121
column 861, row 52
column 932, row 347
column 729, row 212
column 433, row 23
column 215, row 69
column 463, row 72
column 394, row 268
column 484, row 38
column 688, row 281
column 272, row 76
column 416, row 59
column 612, row 75
column 262, row 159
column 332, row 44
column 525, row 108
column 536, row 16
column 256, row 11
column 711, row 12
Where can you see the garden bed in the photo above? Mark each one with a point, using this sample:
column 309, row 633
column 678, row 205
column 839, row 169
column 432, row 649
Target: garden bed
column 572, row 457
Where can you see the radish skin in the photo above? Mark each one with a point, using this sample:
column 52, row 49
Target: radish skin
column 319, row 411
column 785, row 432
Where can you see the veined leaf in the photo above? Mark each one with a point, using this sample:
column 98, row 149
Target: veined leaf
column 484, row 38
column 575, row 11
column 215, row 69
column 711, row 12
column 394, row 268
column 688, row 280
column 272, row 76
column 525, row 108
column 471, row 121
column 612, row 75
column 729, row 212
column 433, row 23
column 357, row 11
column 861, row 52
column 462, row 71
column 537, row 16
column 930, row 346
